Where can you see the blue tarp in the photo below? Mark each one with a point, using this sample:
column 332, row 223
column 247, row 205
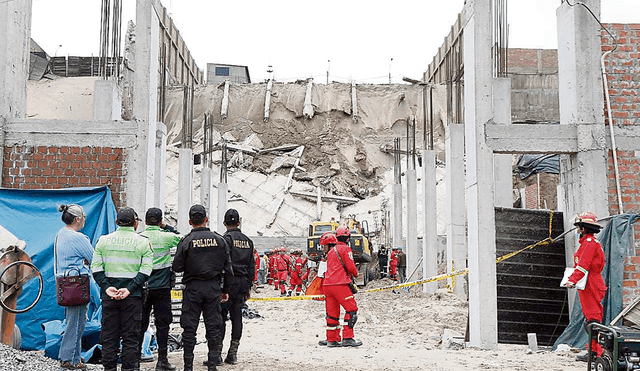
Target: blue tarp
column 616, row 242
column 32, row 216
column 533, row 164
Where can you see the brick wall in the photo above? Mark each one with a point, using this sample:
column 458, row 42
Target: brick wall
column 52, row 167
column 623, row 76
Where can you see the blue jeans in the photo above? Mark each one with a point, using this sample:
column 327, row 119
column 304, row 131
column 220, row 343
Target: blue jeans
column 71, row 345
column 261, row 276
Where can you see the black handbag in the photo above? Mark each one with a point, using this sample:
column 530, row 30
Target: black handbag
column 71, row 290
column 352, row 285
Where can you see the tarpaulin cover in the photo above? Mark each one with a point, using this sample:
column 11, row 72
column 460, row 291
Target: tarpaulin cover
column 532, row 164
column 32, row 216
column 616, row 242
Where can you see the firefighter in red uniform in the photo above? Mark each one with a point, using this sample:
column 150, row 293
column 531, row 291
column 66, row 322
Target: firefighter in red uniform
column 281, row 263
column 295, row 273
column 256, row 256
column 340, row 269
column 589, row 259
column 273, row 276
column 393, row 265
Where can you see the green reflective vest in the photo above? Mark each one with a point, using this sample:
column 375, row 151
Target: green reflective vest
column 161, row 243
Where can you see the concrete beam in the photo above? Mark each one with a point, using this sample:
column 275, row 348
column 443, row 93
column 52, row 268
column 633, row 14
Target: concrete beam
column 627, row 137
column 185, row 190
column 160, row 171
column 107, row 100
column 32, row 132
column 503, row 195
column 531, row 138
column 412, row 220
column 15, row 43
column 430, row 238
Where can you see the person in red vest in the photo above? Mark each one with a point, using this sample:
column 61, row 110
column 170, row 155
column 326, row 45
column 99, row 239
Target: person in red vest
column 256, row 256
column 295, row 273
column 281, row 263
column 589, row 260
column 393, row 265
column 340, row 269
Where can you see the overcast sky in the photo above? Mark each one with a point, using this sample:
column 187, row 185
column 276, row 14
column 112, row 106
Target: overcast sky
column 299, row 38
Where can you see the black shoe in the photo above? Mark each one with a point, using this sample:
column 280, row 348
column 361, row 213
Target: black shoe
column 351, row 343
column 323, row 343
column 584, row 357
column 164, row 365
column 333, row 344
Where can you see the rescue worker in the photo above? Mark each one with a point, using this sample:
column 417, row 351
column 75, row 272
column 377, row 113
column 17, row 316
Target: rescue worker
column 122, row 263
column 382, row 260
column 243, row 263
column 402, row 264
column 281, row 263
column 340, row 269
column 589, row 260
column 256, row 265
column 295, row 273
column 327, row 241
column 393, row 265
column 203, row 256
column 273, row 272
column 157, row 295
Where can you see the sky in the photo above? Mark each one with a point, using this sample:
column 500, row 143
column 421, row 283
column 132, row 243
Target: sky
column 354, row 40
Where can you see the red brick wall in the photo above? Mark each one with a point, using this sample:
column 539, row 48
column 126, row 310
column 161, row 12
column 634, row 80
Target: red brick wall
column 623, row 78
column 27, row 167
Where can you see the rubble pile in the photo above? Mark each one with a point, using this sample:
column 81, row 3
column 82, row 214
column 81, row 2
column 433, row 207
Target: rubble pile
column 16, row 360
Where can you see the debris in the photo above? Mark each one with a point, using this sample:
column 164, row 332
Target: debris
column 452, row 340
column 308, row 110
column 329, row 198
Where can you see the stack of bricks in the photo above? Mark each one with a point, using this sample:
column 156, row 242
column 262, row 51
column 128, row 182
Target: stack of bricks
column 623, row 77
column 27, row 167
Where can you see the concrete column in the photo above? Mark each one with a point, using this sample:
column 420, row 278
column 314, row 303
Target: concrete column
column 107, row 100
column 223, row 189
column 205, row 188
column 412, row 221
column 455, row 210
column 160, row 173
column 397, row 215
column 581, row 97
column 140, row 179
column 430, row 238
column 15, row 43
column 185, row 188
column 503, row 193
column 483, row 312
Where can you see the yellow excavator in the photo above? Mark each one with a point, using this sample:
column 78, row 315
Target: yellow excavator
column 368, row 268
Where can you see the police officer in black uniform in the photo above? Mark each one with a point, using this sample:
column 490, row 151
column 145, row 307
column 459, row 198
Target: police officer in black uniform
column 243, row 263
column 203, row 256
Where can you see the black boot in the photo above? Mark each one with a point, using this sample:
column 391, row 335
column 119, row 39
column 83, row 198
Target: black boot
column 163, row 362
column 351, row 342
column 232, row 354
column 218, row 356
column 188, row 363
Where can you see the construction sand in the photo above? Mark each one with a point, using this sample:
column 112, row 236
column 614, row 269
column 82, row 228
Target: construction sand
column 399, row 331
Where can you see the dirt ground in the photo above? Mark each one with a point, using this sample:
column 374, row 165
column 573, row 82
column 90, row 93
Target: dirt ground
column 400, row 331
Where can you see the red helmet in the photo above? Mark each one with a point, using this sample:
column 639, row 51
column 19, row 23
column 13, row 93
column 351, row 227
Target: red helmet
column 343, row 231
column 587, row 218
column 328, row 238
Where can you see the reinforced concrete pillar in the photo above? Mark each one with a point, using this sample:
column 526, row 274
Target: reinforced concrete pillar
column 455, row 210
column 430, row 237
column 185, row 189
column 206, row 185
column 584, row 174
column 412, row 221
column 397, row 215
column 107, row 100
column 503, row 193
column 223, row 189
column 140, row 185
column 15, row 44
column 481, row 237
column 160, row 172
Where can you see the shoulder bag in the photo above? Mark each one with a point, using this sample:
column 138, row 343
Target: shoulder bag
column 71, row 290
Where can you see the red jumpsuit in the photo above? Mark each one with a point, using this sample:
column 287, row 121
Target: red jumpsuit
column 295, row 273
column 393, row 265
column 281, row 263
column 337, row 292
column 257, row 258
column 272, row 271
column 590, row 258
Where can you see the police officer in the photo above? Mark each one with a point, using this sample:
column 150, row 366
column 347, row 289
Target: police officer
column 122, row 263
column 203, row 256
column 243, row 264
column 158, row 293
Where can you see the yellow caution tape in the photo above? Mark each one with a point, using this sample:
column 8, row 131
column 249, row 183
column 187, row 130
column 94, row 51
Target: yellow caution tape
column 546, row 241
